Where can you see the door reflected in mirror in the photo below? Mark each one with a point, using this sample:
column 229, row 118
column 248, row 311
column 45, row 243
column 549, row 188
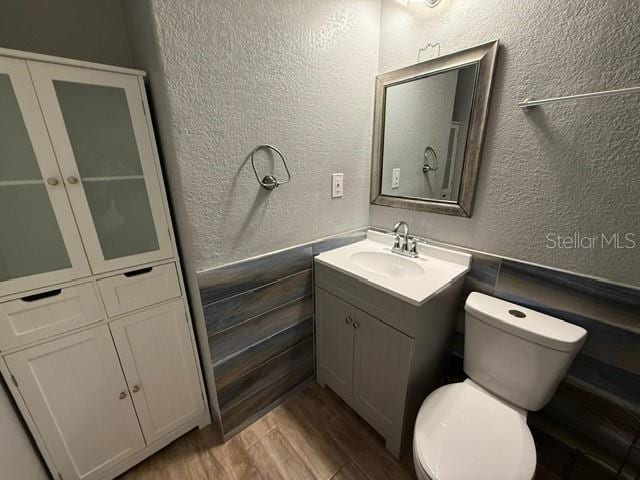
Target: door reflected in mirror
column 425, row 135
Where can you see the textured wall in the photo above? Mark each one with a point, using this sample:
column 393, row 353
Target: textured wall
column 18, row 458
column 562, row 168
column 298, row 75
column 90, row 30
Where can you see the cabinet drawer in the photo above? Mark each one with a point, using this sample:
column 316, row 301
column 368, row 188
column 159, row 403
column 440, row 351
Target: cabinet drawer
column 39, row 316
column 139, row 288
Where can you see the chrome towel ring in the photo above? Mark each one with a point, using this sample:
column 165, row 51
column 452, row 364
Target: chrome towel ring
column 428, row 167
column 270, row 181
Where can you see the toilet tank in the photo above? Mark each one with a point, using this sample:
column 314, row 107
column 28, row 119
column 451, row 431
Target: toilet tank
column 516, row 353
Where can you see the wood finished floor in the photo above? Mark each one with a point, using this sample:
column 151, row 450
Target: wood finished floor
column 313, row 435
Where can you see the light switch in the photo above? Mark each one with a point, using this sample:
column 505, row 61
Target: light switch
column 395, row 178
column 337, row 185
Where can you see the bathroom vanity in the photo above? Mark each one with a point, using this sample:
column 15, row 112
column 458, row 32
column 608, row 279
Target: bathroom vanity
column 383, row 324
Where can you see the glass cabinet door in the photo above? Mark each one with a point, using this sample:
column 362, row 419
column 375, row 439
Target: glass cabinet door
column 39, row 241
column 100, row 136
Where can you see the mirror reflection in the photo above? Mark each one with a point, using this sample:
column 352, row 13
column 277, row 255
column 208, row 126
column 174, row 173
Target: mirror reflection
column 426, row 122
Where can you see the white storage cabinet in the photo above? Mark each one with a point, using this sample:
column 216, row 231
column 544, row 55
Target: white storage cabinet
column 96, row 340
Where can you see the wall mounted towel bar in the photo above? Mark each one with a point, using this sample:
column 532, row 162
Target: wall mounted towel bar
column 528, row 103
column 270, row 181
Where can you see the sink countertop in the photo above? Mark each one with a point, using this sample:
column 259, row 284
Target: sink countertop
column 440, row 267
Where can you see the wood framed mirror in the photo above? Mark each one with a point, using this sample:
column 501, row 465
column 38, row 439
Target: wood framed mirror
column 429, row 125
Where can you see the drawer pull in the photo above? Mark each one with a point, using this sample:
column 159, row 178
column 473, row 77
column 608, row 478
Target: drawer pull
column 140, row 271
column 39, row 296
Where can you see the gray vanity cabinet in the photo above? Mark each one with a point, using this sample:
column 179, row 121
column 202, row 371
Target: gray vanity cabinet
column 334, row 344
column 381, row 362
column 364, row 361
column 381, row 355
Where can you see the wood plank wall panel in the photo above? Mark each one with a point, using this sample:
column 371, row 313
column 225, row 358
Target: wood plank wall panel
column 252, row 357
column 240, row 337
column 337, row 241
column 259, row 318
column 267, row 373
column 240, row 415
column 234, row 310
column 610, row 313
column 229, row 280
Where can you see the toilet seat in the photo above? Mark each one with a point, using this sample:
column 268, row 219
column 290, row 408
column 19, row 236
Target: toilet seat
column 465, row 433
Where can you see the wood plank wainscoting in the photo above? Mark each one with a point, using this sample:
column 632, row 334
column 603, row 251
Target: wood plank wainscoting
column 259, row 318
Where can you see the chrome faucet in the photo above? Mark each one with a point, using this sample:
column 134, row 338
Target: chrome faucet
column 404, row 244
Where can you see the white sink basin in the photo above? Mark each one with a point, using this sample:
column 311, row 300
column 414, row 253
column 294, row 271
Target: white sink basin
column 414, row 280
column 388, row 264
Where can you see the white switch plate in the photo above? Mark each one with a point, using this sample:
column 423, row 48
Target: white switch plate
column 395, row 178
column 337, row 185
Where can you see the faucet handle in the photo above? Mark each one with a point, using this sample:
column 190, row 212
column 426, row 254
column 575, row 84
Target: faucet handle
column 413, row 246
column 396, row 245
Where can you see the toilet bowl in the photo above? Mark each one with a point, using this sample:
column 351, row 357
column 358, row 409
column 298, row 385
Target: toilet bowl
column 477, row 429
column 464, row 432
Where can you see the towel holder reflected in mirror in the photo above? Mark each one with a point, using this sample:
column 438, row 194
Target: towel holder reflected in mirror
column 270, row 182
column 430, row 166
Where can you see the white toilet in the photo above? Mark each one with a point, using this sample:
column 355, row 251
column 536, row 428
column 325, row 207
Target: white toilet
column 477, row 430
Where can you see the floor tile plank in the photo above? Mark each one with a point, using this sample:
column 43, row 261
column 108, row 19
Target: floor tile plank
column 322, row 405
column 254, row 432
column 275, row 459
column 349, row 471
column 312, row 443
column 224, row 461
column 366, row 449
column 314, row 435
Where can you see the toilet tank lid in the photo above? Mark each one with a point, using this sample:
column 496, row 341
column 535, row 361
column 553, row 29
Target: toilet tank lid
column 537, row 327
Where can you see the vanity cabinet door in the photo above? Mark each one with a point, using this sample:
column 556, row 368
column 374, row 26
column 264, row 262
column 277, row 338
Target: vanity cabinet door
column 99, row 132
column 334, row 343
column 159, row 363
column 77, row 395
column 39, row 241
column 382, row 357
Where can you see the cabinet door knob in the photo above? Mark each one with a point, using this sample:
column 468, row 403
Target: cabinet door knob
column 72, row 180
column 122, row 395
column 356, row 325
column 135, row 389
column 347, row 320
column 53, row 181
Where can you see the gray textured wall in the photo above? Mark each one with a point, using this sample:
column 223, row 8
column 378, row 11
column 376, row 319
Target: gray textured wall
column 91, row 30
column 563, row 168
column 298, row 75
column 17, row 455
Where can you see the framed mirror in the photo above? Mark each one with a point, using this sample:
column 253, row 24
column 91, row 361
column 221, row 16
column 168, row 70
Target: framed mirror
column 429, row 124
